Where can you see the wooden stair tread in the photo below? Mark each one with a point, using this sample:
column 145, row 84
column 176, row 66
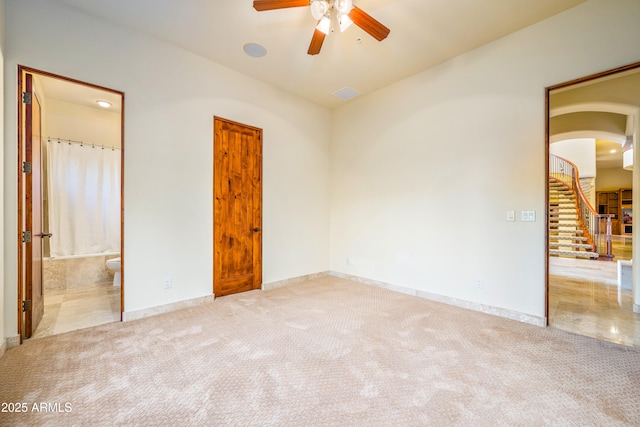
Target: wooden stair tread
column 570, row 245
column 577, row 254
column 572, row 238
column 565, row 236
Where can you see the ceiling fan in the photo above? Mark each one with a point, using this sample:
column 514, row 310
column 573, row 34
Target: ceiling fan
column 325, row 11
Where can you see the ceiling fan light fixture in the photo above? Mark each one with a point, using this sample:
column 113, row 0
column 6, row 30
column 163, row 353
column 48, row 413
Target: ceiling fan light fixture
column 343, row 6
column 344, row 21
column 325, row 24
column 342, row 12
column 319, row 8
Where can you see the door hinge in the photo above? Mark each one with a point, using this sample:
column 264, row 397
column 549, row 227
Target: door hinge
column 26, row 305
column 26, row 97
column 26, row 167
column 26, row 237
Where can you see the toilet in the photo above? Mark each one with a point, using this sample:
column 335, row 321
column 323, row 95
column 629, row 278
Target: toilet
column 113, row 264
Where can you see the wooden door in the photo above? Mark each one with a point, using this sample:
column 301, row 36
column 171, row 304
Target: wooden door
column 32, row 306
column 237, row 217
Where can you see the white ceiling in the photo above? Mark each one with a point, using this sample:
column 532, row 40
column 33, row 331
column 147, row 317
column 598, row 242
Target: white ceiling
column 87, row 96
column 423, row 33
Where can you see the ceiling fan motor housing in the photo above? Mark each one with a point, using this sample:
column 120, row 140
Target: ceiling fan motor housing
column 344, row 14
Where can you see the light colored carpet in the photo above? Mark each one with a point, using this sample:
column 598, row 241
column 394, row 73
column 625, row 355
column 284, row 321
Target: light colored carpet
column 326, row 352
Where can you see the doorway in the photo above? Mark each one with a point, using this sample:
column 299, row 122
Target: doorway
column 592, row 124
column 70, row 204
column 237, row 207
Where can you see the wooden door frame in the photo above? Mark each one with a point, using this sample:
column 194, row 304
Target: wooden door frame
column 548, row 91
column 20, row 208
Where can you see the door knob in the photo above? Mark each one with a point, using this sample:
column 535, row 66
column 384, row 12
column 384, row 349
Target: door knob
column 256, row 229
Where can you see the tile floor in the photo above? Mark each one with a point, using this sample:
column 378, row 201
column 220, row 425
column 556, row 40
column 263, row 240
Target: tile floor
column 584, row 298
column 79, row 307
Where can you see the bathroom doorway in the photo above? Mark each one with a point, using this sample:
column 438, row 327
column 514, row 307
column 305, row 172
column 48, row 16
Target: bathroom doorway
column 70, row 204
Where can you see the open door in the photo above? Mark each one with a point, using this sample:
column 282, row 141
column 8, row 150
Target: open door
column 237, row 263
column 32, row 301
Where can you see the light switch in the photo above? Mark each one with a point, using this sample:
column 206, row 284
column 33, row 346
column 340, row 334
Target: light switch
column 528, row 216
column 511, row 216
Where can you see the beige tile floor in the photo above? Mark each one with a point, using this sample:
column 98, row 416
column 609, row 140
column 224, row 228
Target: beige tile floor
column 79, row 307
column 584, row 298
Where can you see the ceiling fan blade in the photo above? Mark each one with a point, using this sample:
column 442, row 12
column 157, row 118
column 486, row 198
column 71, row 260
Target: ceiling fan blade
column 261, row 5
column 363, row 20
column 316, row 42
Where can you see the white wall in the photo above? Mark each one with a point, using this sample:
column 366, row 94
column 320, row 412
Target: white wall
column 171, row 97
column 579, row 151
column 80, row 123
column 424, row 171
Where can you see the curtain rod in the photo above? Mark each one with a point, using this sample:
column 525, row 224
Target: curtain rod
column 81, row 143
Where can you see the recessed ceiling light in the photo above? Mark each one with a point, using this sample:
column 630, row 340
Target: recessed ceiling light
column 104, row 104
column 612, row 151
column 255, row 50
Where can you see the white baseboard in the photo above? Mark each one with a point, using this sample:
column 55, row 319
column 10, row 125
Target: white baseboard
column 293, row 280
column 152, row 311
column 470, row 305
column 13, row 342
column 9, row 343
column 636, row 308
column 496, row 311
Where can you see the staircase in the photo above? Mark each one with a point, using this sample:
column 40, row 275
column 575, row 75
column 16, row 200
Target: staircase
column 566, row 232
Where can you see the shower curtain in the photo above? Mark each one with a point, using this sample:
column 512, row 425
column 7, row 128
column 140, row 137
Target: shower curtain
column 84, row 199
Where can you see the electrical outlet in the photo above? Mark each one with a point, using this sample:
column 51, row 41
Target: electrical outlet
column 528, row 216
column 479, row 284
column 167, row 282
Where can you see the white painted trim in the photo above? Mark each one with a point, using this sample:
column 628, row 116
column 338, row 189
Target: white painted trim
column 293, row 280
column 496, row 311
column 8, row 343
column 636, row 308
column 13, row 342
column 152, row 311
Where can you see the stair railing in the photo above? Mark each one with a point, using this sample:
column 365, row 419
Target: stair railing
column 597, row 226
